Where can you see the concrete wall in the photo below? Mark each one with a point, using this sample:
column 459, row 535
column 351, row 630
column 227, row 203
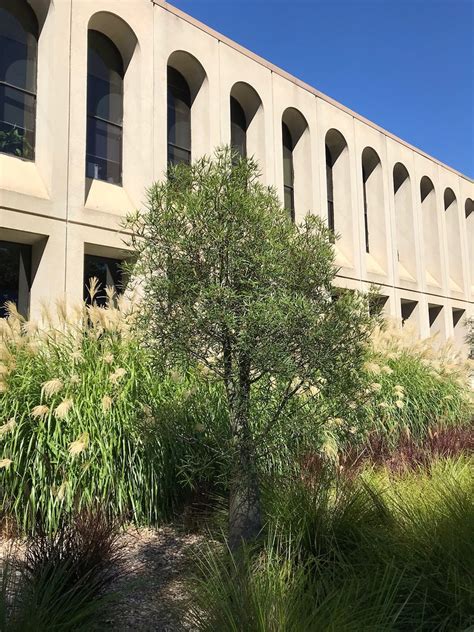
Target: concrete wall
column 420, row 212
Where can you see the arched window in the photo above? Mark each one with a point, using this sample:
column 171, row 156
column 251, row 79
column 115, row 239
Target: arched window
column 338, row 188
column 104, row 109
column 288, row 172
column 330, row 189
column 370, row 167
column 18, row 56
column 432, row 253
column 469, row 211
column 375, row 230
column 405, row 228
column 453, row 234
column 179, row 118
column 238, row 127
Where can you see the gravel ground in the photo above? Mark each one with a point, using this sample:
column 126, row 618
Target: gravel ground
column 153, row 595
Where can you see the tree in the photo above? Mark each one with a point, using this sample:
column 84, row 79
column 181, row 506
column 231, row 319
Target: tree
column 231, row 283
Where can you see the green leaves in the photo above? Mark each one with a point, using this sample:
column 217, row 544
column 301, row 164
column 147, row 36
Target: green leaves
column 227, row 276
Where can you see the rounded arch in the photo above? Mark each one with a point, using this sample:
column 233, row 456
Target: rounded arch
column 190, row 69
column 338, row 191
column 453, row 236
column 370, row 160
column 449, row 198
column 248, row 99
column 431, row 243
column 296, row 157
column 295, row 122
column 469, row 208
column 373, row 200
column 469, row 212
column 105, row 74
column 335, row 144
column 247, row 125
column 404, row 223
column 118, row 31
column 426, row 187
column 41, row 8
column 400, row 176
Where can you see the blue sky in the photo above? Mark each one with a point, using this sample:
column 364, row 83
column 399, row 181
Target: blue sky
column 407, row 65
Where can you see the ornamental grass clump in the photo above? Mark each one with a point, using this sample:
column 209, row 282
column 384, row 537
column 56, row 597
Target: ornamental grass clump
column 83, row 417
column 381, row 552
column 416, row 386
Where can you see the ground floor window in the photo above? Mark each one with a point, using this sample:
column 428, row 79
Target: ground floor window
column 15, row 276
column 107, row 271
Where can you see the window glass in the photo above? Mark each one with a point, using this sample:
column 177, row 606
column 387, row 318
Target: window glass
column 238, row 128
column 18, row 52
column 330, row 189
column 179, row 118
column 288, row 174
column 104, row 109
column 15, row 276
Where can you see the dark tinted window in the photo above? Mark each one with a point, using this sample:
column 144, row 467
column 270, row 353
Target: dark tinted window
column 15, row 276
column 107, row 271
column 288, row 174
column 104, row 109
column 18, row 53
column 330, row 189
column 179, row 118
column 238, row 128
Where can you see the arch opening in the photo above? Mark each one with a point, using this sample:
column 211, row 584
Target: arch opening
column 338, row 191
column 430, row 223
column 186, row 79
column 469, row 213
column 247, row 132
column 373, row 201
column 296, row 156
column 405, row 226
column 453, row 236
column 105, row 73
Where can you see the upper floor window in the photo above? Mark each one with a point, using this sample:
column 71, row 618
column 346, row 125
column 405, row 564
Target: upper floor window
column 238, row 128
column 330, row 189
column 18, row 58
column 288, row 172
column 105, row 74
column 179, row 118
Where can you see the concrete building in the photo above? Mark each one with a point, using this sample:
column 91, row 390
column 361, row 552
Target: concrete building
column 97, row 95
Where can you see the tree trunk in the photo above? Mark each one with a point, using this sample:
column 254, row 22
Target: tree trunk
column 245, row 520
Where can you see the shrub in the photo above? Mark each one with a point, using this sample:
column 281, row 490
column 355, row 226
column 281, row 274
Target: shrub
column 62, row 581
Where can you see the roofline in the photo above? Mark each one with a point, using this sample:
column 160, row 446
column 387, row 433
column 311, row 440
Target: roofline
column 301, row 84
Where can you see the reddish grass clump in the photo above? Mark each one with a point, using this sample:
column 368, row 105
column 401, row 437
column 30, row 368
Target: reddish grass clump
column 409, row 453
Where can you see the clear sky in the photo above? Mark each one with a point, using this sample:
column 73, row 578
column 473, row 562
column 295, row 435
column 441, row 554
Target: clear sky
column 407, row 65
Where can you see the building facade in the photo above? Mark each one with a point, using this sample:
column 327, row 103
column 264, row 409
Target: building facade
column 97, row 96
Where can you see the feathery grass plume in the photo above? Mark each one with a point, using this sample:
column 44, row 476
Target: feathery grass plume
column 108, row 358
column 5, row 463
column 61, row 411
column 93, row 288
column 8, row 427
column 51, row 387
column 39, row 411
column 117, row 375
column 78, row 446
column 106, row 403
